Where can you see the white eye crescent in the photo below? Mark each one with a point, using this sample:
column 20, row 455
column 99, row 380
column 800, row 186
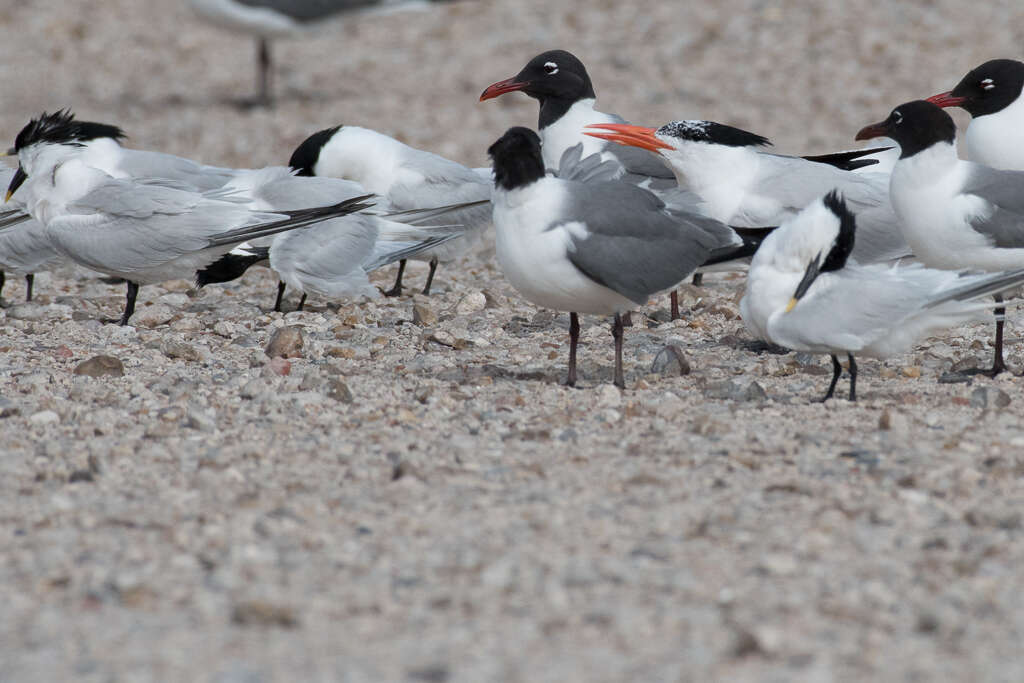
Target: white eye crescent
column 987, row 84
column 550, row 68
column 897, row 117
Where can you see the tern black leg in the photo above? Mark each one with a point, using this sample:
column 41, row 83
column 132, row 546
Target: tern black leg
column 129, row 304
column 29, row 281
column 281, row 286
column 574, row 340
column 302, row 302
column 853, row 377
column 698, row 279
column 397, row 289
column 673, row 300
column 430, row 277
column 837, row 370
column 617, row 334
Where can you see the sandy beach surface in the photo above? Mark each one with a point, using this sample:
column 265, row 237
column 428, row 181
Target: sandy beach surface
column 418, row 498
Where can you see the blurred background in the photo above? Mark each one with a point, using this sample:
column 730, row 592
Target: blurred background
column 805, row 74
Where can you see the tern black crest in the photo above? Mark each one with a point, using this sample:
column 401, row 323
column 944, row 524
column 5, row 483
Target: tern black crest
column 517, row 158
column 558, row 80
column 843, row 244
column 306, row 155
column 714, row 133
column 991, row 87
column 61, row 127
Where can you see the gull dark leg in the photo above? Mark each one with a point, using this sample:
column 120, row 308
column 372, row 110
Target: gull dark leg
column 853, row 377
column 281, row 286
column 397, row 289
column 997, row 363
column 430, row 277
column 620, row 381
column 698, row 279
column 30, row 280
column 574, row 340
column 263, row 98
column 673, row 299
column 302, row 302
column 129, row 305
column 837, row 370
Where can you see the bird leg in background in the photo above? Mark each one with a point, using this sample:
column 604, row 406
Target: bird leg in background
column 129, row 306
column 837, row 370
column 998, row 365
column 620, row 381
column 698, row 280
column 263, row 98
column 627, row 319
column 574, row 339
column 853, row 377
column 302, row 302
column 29, row 281
column 430, row 278
column 397, row 289
column 3, row 278
column 281, row 286
column 673, row 299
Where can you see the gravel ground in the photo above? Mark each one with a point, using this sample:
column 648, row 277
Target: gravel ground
column 412, row 495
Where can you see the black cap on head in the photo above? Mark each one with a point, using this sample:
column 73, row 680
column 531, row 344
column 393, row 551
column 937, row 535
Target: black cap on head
column 306, row 155
column 556, row 78
column 843, row 244
column 711, row 132
column 517, row 158
column 61, row 127
column 916, row 126
column 991, row 87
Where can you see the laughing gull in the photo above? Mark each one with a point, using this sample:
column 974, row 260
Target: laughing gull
column 271, row 19
column 406, row 178
column 804, row 292
column 991, row 94
column 954, row 214
column 591, row 247
column 742, row 185
column 142, row 231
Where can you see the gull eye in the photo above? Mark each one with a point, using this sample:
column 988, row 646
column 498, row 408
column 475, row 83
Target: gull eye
column 987, row 84
column 550, row 68
column 897, row 117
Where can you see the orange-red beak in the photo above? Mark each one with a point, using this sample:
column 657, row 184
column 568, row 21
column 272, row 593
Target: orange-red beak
column 875, row 130
column 502, row 87
column 633, row 136
column 946, row 99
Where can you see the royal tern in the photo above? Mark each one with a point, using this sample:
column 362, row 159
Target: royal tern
column 742, row 185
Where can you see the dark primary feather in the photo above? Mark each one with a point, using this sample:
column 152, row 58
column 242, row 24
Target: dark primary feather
column 309, row 10
column 636, row 245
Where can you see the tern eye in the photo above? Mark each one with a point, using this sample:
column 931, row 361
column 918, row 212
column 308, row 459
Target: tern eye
column 550, row 68
column 897, row 117
column 987, row 84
